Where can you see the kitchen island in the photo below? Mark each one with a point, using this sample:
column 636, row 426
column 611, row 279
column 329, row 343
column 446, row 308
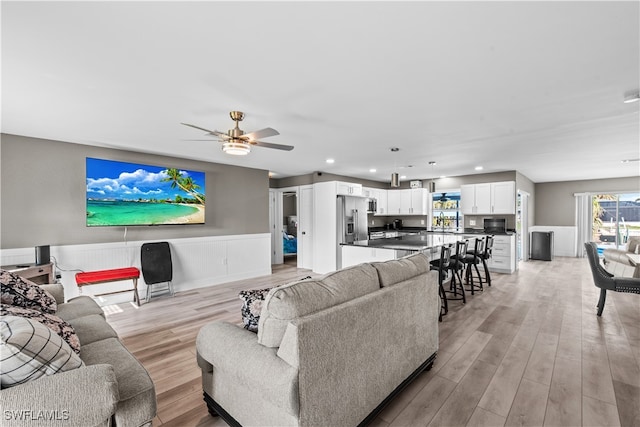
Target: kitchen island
column 393, row 248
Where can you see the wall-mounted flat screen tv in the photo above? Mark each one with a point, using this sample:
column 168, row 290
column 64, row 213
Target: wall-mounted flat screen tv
column 123, row 194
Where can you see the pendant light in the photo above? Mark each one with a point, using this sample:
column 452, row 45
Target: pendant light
column 395, row 179
column 432, row 184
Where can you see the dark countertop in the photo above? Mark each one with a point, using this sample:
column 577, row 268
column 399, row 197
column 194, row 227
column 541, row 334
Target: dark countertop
column 409, row 243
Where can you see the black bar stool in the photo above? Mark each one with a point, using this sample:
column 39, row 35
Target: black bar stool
column 442, row 266
column 456, row 266
column 488, row 248
column 471, row 260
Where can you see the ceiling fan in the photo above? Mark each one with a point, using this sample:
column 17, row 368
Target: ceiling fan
column 236, row 142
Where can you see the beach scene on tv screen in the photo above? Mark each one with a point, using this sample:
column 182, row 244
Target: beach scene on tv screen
column 120, row 193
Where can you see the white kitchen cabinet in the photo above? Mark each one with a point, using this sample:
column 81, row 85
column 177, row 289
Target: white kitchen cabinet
column 413, row 201
column 393, row 202
column 475, row 199
column 488, row 198
column 503, row 197
column 381, row 199
column 503, row 255
column 381, row 208
column 348, row 188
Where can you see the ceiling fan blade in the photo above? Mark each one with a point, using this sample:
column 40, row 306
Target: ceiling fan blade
column 270, row 145
column 210, row 132
column 262, row 133
column 197, row 127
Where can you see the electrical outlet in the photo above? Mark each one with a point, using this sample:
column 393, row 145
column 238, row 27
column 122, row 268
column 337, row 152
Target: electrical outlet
column 372, row 222
column 472, row 222
column 422, row 222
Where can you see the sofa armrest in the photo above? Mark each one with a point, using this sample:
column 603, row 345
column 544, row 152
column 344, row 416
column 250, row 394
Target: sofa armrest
column 87, row 396
column 56, row 290
column 236, row 351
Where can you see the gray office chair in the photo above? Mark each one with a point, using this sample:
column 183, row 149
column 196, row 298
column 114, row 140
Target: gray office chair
column 607, row 281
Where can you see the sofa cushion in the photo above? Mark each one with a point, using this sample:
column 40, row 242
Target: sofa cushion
column 24, row 293
column 137, row 404
column 78, row 307
column 288, row 302
column 30, row 350
column 55, row 323
column 396, row 271
column 92, row 328
column 252, row 306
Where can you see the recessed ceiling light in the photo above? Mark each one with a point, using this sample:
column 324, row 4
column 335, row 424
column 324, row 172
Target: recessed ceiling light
column 403, row 177
column 330, row 161
column 632, row 96
column 442, row 176
column 479, row 168
column 372, row 170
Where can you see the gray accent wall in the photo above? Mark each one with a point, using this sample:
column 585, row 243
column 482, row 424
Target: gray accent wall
column 43, row 196
column 555, row 201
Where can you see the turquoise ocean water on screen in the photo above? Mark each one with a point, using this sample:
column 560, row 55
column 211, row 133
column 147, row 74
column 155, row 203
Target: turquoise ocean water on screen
column 101, row 213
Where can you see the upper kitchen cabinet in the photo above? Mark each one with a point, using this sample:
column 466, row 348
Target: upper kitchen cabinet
column 489, row 198
column 503, row 197
column 414, row 201
column 380, row 195
column 348, row 188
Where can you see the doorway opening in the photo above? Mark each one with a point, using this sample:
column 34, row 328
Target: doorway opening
column 290, row 227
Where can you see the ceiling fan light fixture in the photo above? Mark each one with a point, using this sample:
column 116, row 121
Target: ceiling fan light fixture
column 236, row 148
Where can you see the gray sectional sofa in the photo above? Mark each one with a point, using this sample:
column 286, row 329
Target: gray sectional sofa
column 329, row 351
column 618, row 263
column 113, row 388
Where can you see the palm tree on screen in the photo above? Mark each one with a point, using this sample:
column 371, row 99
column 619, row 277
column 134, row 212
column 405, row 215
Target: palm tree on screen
column 186, row 184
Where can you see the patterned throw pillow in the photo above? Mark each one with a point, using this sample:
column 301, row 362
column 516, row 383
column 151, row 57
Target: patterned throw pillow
column 26, row 294
column 30, row 350
column 56, row 324
column 251, row 307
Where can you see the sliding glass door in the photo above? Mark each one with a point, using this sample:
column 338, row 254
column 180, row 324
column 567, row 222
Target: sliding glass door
column 616, row 217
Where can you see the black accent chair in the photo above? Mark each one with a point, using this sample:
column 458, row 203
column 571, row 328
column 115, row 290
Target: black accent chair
column 472, row 259
column 155, row 259
column 442, row 266
column 607, row 281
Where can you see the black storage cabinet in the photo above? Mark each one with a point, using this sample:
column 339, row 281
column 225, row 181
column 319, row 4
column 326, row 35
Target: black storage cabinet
column 542, row 245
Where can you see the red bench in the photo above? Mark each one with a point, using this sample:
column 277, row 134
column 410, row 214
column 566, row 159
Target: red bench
column 114, row 275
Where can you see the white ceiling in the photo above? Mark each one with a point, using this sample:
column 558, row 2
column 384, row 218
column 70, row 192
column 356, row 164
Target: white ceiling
column 535, row 87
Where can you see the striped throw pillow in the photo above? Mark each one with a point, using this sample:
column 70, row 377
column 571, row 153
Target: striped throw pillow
column 30, row 350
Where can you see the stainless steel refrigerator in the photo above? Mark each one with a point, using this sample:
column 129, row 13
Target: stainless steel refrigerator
column 351, row 223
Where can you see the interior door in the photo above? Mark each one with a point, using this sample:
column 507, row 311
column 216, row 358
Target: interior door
column 305, row 227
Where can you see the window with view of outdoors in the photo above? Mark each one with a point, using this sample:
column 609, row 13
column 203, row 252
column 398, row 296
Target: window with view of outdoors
column 616, row 217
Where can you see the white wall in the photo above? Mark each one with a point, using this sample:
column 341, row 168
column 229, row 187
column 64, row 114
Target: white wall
column 197, row 262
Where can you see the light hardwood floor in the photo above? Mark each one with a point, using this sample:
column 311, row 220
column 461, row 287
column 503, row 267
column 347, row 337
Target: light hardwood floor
column 530, row 350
